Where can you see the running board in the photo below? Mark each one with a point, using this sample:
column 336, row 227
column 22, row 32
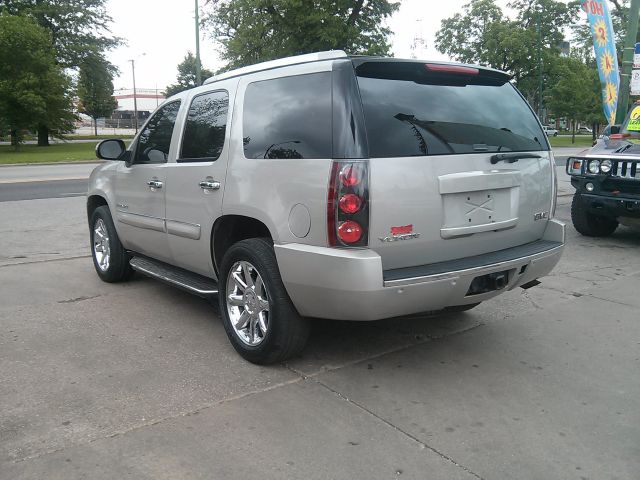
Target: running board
column 178, row 277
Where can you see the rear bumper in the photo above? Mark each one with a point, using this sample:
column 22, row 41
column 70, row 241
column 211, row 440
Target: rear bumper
column 351, row 285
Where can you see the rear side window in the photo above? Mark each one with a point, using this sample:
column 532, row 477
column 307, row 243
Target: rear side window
column 205, row 127
column 410, row 111
column 288, row 117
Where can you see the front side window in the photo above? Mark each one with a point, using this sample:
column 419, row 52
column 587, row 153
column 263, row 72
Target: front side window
column 412, row 112
column 288, row 117
column 205, row 127
column 155, row 139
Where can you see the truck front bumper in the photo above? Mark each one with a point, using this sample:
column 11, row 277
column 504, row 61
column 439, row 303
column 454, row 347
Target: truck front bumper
column 351, row 284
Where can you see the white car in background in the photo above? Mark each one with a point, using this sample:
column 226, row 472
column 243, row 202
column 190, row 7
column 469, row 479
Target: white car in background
column 550, row 131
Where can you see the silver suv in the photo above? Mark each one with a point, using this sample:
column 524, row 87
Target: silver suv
column 330, row 186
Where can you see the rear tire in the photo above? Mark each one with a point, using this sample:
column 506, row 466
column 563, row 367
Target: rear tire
column 588, row 224
column 110, row 259
column 260, row 320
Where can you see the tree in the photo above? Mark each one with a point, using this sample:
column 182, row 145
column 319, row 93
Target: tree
column 573, row 95
column 95, row 89
column 483, row 34
column 33, row 88
column 186, row 76
column 252, row 31
column 77, row 29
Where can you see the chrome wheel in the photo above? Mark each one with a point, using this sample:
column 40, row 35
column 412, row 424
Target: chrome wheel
column 247, row 303
column 101, row 247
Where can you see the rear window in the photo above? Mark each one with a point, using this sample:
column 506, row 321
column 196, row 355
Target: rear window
column 410, row 111
column 288, row 117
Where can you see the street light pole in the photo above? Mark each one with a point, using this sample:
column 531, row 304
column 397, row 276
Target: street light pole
column 540, row 84
column 135, row 99
column 198, row 66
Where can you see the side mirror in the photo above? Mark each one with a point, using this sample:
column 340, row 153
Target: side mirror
column 111, row 149
column 615, row 129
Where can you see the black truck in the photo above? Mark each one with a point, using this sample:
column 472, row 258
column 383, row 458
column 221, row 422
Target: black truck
column 607, row 180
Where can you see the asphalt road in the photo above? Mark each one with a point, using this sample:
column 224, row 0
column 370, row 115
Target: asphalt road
column 138, row 380
column 44, row 189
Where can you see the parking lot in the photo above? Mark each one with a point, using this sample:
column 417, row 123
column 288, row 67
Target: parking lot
column 138, row 380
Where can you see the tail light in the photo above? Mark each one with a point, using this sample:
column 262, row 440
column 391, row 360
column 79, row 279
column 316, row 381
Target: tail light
column 348, row 204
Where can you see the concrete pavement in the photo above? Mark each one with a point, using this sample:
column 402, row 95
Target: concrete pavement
column 104, row 381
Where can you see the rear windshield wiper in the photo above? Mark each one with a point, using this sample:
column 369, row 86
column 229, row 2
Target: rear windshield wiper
column 511, row 157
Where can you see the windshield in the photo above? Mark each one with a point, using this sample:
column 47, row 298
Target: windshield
column 412, row 112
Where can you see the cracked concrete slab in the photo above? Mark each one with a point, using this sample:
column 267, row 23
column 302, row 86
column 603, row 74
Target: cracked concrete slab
column 547, row 395
column 46, row 229
column 298, row 431
column 138, row 379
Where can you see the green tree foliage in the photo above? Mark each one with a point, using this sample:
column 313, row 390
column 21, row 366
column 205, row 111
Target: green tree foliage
column 575, row 93
column 34, row 91
column 483, row 34
column 95, row 89
column 186, row 75
column 252, row 31
column 77, row 28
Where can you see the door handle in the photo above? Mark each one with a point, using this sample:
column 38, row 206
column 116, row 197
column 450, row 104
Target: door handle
column 208, row 185
column 154, row 183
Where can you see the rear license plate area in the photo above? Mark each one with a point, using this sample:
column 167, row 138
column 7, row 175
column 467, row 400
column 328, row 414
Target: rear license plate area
column 490, row 282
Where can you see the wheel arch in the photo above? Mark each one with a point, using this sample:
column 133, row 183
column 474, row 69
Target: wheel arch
column 230, row 229
column 93, row 202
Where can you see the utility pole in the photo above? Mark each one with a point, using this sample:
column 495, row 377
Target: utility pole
column 135, row 100
column 540, row 86
column 627, row 61
column 198, row 66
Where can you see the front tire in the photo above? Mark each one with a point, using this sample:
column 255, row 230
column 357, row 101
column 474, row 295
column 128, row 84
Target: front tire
column 110, row 259
column 260, row 320
column 588, row 224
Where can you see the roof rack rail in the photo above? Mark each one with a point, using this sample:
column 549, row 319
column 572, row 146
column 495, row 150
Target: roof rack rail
column 281, row 62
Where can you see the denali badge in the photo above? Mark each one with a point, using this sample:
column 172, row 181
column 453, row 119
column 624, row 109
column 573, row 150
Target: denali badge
column 404, row 232
column 540, row 216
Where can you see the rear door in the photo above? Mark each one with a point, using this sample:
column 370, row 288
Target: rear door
column 456, row 157
column 196, row 181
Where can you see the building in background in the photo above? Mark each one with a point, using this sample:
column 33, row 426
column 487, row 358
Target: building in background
column 147, row 100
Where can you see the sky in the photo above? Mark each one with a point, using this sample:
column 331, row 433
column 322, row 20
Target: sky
column 160, row 32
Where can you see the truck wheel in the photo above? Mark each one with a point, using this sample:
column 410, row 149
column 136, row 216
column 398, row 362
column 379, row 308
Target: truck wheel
column 589, row 224
column 258, row 315
column 109, row 256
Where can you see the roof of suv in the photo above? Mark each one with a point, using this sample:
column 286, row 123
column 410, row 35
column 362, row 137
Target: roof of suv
column 329, row 55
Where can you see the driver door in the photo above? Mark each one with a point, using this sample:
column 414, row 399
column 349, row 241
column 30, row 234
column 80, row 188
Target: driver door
column 140, row 187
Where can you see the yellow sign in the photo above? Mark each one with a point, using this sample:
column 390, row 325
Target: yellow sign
column 634, row 120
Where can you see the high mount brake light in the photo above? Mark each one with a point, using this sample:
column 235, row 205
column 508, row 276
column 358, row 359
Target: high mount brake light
column 348, row 204
column 618, row 136
column 457, row 69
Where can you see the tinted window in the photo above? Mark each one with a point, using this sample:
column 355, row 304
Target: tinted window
column 288, row 117
column 412, row 112
column 155, row 139
column 205, row 126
